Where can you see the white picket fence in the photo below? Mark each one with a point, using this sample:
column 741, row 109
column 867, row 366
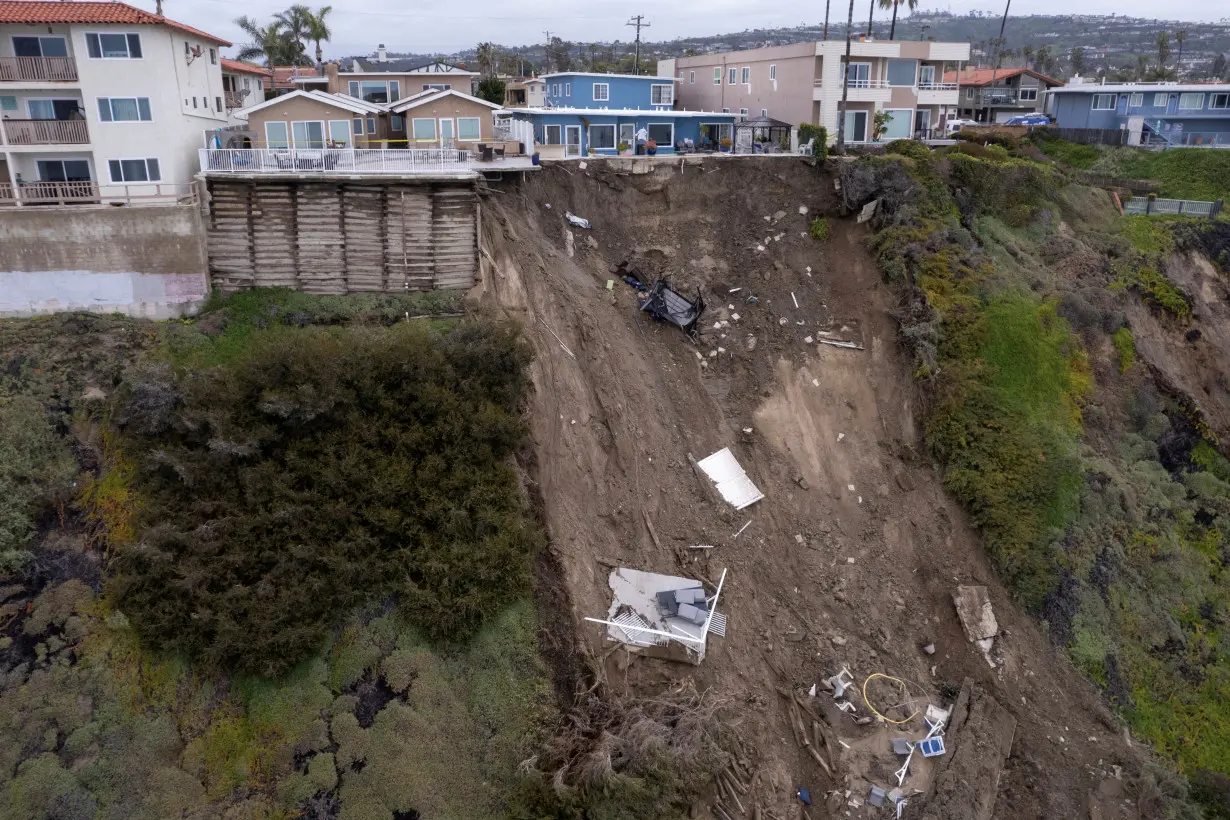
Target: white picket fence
column 341, row 160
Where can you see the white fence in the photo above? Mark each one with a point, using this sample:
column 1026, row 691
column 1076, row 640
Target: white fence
column 341, row 160
column 1171, row 207
column 521, row 131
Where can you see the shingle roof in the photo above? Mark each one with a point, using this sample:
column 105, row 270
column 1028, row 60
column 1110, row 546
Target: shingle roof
column 985, row 76
column 63, row 11
column 404, row 66
column 245, row 68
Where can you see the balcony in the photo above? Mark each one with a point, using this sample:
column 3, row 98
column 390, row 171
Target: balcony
column 1004, row 98
column 861, row 90
column 38, row 69
column 437, row 162
column 81, row 192
column 234, row 99
column 46, row 132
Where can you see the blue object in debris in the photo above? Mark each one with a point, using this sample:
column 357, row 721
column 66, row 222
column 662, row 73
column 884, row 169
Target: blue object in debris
column 932, row 746
column 634, row 283
column 804, row 796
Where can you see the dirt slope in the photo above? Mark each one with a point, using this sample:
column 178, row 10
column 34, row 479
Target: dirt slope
column 855, row 552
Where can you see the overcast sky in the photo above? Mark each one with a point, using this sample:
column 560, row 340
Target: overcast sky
column 424, row 26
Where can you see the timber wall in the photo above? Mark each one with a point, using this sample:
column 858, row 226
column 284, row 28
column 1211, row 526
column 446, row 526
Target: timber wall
column 342, row 237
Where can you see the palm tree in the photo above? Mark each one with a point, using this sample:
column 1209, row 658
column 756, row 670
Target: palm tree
column 1142, row 66
column 870, row 14
column 486, row 57
column 826, row 19
column 1163, row 51
column 269, row 43
column 894, row 5
column 295, row 22
column 318, row 32
column 1180, row 37
column 845, row 86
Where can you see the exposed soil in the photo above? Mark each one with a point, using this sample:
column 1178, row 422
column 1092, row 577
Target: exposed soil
column 854, row 554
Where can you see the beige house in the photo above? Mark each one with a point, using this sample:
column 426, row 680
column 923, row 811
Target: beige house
column 802, row 83
column 527, row 93
column 314, row 119
column 387, row 81
column 441, row 118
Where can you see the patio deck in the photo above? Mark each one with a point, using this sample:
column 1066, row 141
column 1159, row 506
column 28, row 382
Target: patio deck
column 314, row 163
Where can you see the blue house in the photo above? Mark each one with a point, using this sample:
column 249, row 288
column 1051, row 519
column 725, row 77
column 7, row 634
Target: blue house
column 1163, row 114
column 587, row 112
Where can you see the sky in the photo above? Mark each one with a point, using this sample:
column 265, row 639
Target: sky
column 424, row 26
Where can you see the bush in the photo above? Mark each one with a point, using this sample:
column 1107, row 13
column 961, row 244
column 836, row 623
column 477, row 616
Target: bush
column 807, row 131
column 1007, row 141
column 908, row 148
column 819, row 229
column 36, row 473
column 1071, row 154
column 1126, row 347
column 326, row 469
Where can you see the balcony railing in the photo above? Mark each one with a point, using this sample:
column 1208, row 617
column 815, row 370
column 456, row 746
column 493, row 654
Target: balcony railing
column 862, row 83
column 45, row 132
column 346, row 160
column 1002, row 96
column 937, row 86
column 49, row 193
column 235, row 99
column 39, row 69
column 88, row 192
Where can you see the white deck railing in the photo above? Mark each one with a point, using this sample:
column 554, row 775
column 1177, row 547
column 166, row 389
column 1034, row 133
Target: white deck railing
column 339, row 160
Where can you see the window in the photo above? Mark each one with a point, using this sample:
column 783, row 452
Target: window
column 218, row 103
column 134, row 170
column 310, row 134
column 469, row 128
column 276, row 135
column 339, row 133
column 926, row 75
column 858, row 75
column 602, row 92
column 731, row 75
column 371, row 126
column 357, row 125
column 764, row 113
column 1191, row 102
column 1219, row 101
column 772, row 72
column 691, row 78
column 567, row 89
column 969, row 93
column 555, row 90
column 1135, row 101
column 601, row 136
column 551, row 133
column 725, row 110
column 194, row 105
column 627, row 133
column 743, row 113
column 8, row 103
column 397, row 122
column 1159, row 100
column 375, row 91
column 662, row 95
column 900, row 124
column 438, row 87
column 213, row 56
column 424, row 129
column 663, row 133
column 1103, row 102
column 1031, row 94
column 902, row 72
column 124, row 109
column 63, row 170
column 40, row 47
column 745, row 76
column 717, row 76
column 113, row 46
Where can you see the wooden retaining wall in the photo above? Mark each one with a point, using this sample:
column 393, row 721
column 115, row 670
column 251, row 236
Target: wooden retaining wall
column 342, row 237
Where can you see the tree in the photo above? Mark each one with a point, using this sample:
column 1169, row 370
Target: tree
column 871, row 11
column 1142, row 66
column 1044, row 61
column 269, row 43
column 318, row 32
column 845, row 85
column 1163, row 50
column 1218, row 68
column 1027, row 55
column 1077, row 58
column 487, row 59
column 491, row 89
column 1180, row 37
column 894, row 5
column 296, row 21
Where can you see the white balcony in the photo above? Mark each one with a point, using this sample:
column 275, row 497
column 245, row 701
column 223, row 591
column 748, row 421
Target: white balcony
column 938, row 94
column 38, row 70
column 45, row 132
column 437, row 162
column 860, row 91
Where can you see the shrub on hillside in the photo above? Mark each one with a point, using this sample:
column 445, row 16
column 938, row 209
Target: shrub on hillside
column 320, row 470
column 819, row 137
column 1008, row 141
column 36, row 472
column 908, row 148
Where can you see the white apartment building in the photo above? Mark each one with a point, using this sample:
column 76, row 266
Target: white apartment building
column 802, row 83
column 102, row 101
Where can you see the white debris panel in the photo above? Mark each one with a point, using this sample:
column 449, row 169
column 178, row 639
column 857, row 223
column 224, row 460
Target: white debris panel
column 732, row 482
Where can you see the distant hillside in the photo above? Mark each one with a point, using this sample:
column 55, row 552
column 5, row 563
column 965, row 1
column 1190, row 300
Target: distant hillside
column 1109, row 44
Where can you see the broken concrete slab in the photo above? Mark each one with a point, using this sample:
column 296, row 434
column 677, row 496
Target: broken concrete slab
column 973, row 605
column 967, row 782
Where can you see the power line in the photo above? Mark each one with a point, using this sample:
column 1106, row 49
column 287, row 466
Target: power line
column 636, row 21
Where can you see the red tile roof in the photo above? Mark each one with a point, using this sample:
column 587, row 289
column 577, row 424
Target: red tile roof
column 63, row 11
column 283, row 74
column 985, row 76
column 244, row 68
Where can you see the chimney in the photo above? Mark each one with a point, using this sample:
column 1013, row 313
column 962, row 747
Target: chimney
column 969, row 71
column 382, row 55
column 334, row 85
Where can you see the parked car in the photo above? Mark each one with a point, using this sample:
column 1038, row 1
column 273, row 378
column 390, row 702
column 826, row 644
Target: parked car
column 953, row 126
column 1030, row 119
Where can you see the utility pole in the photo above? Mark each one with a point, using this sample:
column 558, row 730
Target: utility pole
column 826, row 20
column 636, row 22
column 158, row 4
column 999, row 50
column 547, row 53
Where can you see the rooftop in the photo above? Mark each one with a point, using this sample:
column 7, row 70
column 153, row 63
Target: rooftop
column 653, row 77
column 1109, row 88
column 986, row 76
column 617, row 112
column 361, row 65
column 64, row 11
column 244, row 68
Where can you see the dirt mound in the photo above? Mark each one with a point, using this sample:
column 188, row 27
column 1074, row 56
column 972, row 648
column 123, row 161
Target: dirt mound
column 853, row 556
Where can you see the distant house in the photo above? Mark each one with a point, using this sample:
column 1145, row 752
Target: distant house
column 1162, row 114
column 289, row 77
column 529, row 92
column 434, row 117
column 1002, row 93
column 584, row 90
column 243, row 84
column 314, row 119
column 384, row 80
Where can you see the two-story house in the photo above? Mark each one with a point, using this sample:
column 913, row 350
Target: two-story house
column 243, row 84
column 802, row 83
column 1165, row 114
column 383, row 80
column 100, row 101
column 584, row 112
column 999, row 94
column 527, row 92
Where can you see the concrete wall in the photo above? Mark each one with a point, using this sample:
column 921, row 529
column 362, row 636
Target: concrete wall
column 140, row 261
